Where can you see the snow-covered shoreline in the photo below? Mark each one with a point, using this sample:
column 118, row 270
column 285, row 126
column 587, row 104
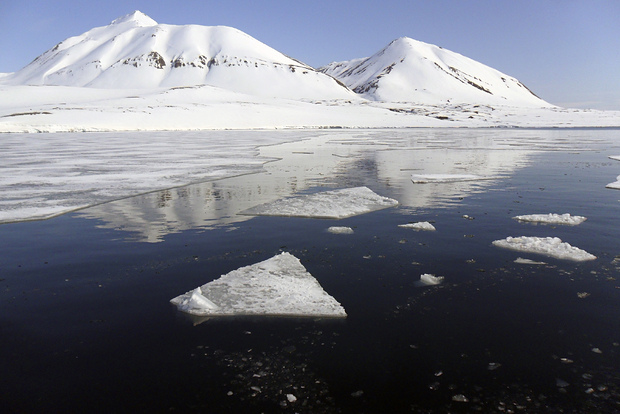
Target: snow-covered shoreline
column 34, row 109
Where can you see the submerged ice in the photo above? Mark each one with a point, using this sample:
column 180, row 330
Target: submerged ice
column 280, row 286
column 552, row 218
column 549, row 246
column 333, row 204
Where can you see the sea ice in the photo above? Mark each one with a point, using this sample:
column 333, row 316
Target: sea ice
column 421, row 225
column 521, row 260
column 549, row 246
column 334, row 204
column 615, row 185
column 615, row 157
column 340, row 230
column 279, row 286
column 446, row 178
column 429, row 280
column 552, row 218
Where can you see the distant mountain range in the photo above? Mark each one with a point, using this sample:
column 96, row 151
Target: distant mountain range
column 135, row 52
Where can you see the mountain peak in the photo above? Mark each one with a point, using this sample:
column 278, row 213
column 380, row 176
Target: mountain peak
column 136, row 17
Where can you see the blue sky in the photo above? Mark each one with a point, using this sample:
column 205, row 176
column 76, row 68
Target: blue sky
column 566, row 51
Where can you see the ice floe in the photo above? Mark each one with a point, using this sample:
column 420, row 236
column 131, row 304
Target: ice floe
column 333, row 204
column 340, row 230
column 615, row 185
column 420, row 225
column 446, row 178
column 549, row 246
column 615, row 157
column 521, row 260
column 552, row 218
column 279, row 286
column 429, row 280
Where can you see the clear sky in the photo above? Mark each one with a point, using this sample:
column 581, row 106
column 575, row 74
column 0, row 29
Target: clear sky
column 566, row 51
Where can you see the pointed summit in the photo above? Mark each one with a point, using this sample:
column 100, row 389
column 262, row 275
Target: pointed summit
column 137, row 18
column 408, row 70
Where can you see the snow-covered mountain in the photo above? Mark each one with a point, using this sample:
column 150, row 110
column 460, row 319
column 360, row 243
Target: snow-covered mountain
column 134, row 52
column 408, row 70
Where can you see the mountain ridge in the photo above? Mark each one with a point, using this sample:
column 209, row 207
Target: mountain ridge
column 411, row 70
column 136, row 52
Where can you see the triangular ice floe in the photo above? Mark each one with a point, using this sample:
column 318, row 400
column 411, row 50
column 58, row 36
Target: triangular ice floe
column 280, row 286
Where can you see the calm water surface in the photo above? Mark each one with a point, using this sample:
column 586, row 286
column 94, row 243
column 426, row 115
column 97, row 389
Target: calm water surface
column 86, row 325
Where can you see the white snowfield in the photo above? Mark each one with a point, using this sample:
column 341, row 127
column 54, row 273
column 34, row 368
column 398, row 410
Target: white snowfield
column 333, row 204
column 446, row 178
column 280, row 286
column 548, row 246
column 552, row 218
column 420, row 225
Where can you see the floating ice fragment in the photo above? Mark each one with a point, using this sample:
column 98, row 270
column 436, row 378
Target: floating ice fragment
column 446, row 178
column 615, row 157
column 340, row 230
column 552, row 218
column 597, row 351
column 460, row 398
column 279, row 286
column 549, row 246
column 521, row 260
column 291, row 398
column 334, row 204
column 429, row 280
column 421, row 225
column 616, row 185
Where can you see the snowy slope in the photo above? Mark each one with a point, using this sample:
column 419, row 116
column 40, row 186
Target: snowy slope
column 135, row 52
column 408, row 70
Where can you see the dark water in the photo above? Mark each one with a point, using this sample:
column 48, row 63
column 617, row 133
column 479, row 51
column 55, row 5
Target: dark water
column 85, row 323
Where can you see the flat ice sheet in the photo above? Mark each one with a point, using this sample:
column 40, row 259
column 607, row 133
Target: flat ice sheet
column 334, row 204
column 548, row 246
column 279, row 286
column 420, row 225
column 446, row 178
column 552, row 218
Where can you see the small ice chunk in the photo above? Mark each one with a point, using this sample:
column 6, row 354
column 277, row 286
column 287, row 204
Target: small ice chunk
column 291, row 398
column 521, row 260
column 552, row 218
column 615, row 157
column 446, row 178
column 420, row 225
column 340, row 230
column 334, row 204
column 460, row 398
column 429, row 280
column 279, row 286
column 549, row 246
